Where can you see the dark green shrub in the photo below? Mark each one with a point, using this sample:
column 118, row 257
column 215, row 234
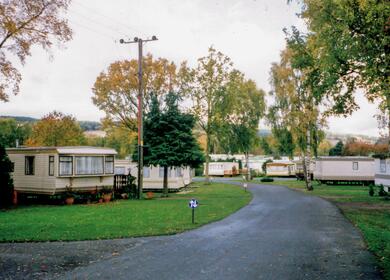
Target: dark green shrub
column 199, row 170
column 267, row 179
column 6, row 182
column 381, row 191
column 371, row 191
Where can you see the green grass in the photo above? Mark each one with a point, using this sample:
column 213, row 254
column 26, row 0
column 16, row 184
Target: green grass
column 370, row 214
column 122, row 218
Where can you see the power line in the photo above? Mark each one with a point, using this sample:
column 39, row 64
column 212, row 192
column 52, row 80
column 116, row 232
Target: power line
column 91, row 29
column 124, row 26
column 96, row 22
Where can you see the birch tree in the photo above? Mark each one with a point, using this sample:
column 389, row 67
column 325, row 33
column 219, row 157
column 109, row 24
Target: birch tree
column 207, row 85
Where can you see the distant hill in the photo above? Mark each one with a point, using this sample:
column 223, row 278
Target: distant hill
column 263, row 132
column 20, row 118
column 90, row 125
column 85, row 125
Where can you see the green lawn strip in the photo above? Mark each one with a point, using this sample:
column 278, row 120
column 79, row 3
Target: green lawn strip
column 370, row 214
column 122, row 218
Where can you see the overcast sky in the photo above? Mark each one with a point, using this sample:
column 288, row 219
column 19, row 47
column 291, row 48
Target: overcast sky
column 249, row 31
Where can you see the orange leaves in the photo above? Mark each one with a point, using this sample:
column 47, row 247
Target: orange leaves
column 22, row 25
column 116, row 89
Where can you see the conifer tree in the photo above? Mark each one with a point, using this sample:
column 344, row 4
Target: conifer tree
column 169, row 139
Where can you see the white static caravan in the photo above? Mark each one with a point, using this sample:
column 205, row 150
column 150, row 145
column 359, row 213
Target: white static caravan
column 280, row 169
column 178, row 177
column 382, row 173
column 344, row 169
column 49, row 170
column 222, row 168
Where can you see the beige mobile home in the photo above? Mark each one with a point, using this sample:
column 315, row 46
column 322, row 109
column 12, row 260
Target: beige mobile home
column 280, row 169
column 178, row 177
column 222, row 168
column 382, row 173
column 344, row 169
column 49, row 170
column 299, row 170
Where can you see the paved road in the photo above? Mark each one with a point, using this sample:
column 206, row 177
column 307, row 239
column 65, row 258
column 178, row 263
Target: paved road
column 281, row 234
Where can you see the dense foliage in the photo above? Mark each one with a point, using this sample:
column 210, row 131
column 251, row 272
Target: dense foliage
column 56, row 129
column 12, row 132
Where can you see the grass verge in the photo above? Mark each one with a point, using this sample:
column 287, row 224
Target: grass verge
column 122, row 218
column 370, row 214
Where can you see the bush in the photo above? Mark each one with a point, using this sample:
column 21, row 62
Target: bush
column 371, row 191
column 6, row 182
column 381, row 191
column 267, row 179
column 199, row 170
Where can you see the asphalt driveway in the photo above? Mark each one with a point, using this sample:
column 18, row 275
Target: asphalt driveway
column 281, row 234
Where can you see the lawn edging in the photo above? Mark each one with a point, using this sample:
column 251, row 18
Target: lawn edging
column 122, row 218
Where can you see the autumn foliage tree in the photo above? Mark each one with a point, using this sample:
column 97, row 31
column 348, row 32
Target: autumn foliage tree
column 24, row 24
column 56, row 129
column 116, row 89
column 355, row 147
column 206, row 85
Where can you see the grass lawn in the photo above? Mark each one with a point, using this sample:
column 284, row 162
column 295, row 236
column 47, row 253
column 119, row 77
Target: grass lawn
column 370, row 214
column 122, row 218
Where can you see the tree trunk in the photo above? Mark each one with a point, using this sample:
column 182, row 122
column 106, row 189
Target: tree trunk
column 309, row 185
column 247, row 166
column 165, row 183
column 388, row 119
column 206, row 173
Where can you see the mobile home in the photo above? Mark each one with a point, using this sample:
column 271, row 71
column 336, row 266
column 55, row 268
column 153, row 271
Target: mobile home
column 299, row 170
column 178, row 177
column 382, row 173
column 222, row 168
column 280, row 169
column 49, row 170
column 344, row 169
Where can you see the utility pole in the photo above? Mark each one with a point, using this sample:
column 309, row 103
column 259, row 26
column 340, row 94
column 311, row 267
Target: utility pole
column 140, row 111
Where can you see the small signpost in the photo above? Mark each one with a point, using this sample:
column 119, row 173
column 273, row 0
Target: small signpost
column 193, row 204
column 244, row 184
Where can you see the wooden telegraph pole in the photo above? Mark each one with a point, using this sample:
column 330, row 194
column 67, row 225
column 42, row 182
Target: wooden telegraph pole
column 140, row 42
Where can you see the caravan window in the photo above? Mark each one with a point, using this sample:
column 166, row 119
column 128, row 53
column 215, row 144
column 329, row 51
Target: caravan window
column 89, row 165
column 355, row 165
column 51, row 165
column 178, row 172
column 29, row 165
column 66, row 165
column 383, row 166
column 146, row 172
column 109, row 165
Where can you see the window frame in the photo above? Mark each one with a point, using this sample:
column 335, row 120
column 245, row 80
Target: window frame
column 59, row 165
column 113, row 165
column 27, row 171
column 51, row 165
column 357, row 165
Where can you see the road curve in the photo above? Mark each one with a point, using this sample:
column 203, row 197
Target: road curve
column 281, row 234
